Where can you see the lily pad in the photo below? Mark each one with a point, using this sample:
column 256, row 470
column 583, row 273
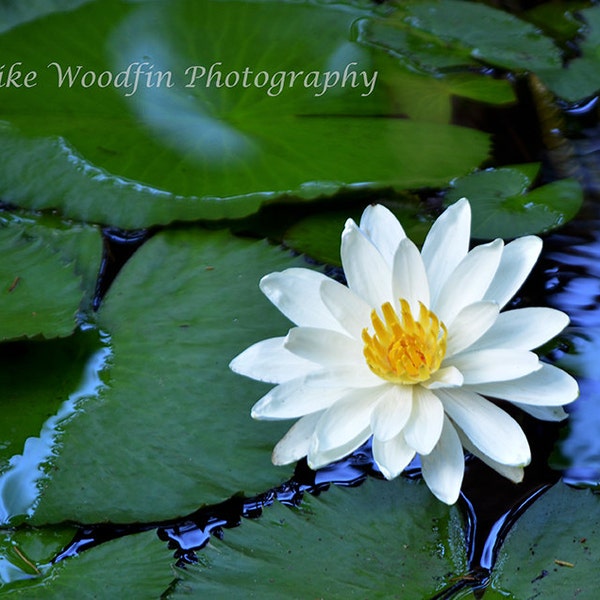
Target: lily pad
column 437, row 35
column 27, row 552
column 382, row 540
column 553, row 550
column 170, row 429
column 135, row 566
column 226, row 144
column 580, row 78
column 39, row 293
column 43, row 383
column 502, row 206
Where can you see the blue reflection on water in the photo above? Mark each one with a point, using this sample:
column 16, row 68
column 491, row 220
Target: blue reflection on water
column 19, row 484
column 574, row 256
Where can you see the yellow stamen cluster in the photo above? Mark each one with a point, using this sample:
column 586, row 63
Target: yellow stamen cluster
column 403, row 350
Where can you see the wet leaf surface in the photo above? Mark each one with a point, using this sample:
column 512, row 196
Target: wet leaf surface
column 404, row 545
column 155, row 150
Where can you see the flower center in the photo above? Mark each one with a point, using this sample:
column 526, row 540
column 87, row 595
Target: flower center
column 403, row 350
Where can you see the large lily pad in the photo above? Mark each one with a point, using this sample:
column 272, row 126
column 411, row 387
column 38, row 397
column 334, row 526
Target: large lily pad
column 154, row 154
column 383, row 540
column 553, row 550
column 170, row 429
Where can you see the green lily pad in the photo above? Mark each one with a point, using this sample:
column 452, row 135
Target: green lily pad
column 136, row 566
column 558, row 18
column 43, row 383
column 160, row 153
column 76, row 243
column 430, row 99
column 39, row 293
column 553, row 550
column 580, row 79
column 382, row 540
column 170, row 429
column 26, row 553
column 502, row 206
column 436, row 35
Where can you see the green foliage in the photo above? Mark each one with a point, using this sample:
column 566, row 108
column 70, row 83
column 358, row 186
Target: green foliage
column 170, row 429
column 159, row 154
column 134, row 566
column 553, row 550
column 437, row 35
column 383, row 540
column 502, row 206
column 40, row 293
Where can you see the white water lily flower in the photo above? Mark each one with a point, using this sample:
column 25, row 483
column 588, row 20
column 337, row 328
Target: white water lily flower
column 408, row 352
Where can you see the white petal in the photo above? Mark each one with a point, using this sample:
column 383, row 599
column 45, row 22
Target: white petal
column 392, row 412
column 367, row 273
column 409, row 276
column 492, row 430
column 323, row 346
column 443, row 469
column 469, row 325
column 446, row 245
column 524, row 328
column 347, row 418
column 295, row 443
column 352, row 313
column 544, row 413
column 383, row 229
column 320, row 458
column 443, row 378
column 296, row 293
column 515, row 474
column 392, row 456
column 347, row 376
column 423, row 429
column 517, row 261
column 548, row 386
column 294, row 399
column 469, row 281
column 482, row 366
column 269, row 361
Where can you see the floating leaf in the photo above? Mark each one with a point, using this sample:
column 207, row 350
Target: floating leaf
column 136, row 566
column 170, row 428
column 558, row 18
column 553, row 550
column 75, row 243
column 43, row 384
column 26, row 553
column 437, row 35
column 502, row 206
column 382, row 540
column 135, row 156
column 39, row 293
column 581, row 77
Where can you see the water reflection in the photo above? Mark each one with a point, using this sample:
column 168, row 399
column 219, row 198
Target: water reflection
column 573, row 259
column 20, row 482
